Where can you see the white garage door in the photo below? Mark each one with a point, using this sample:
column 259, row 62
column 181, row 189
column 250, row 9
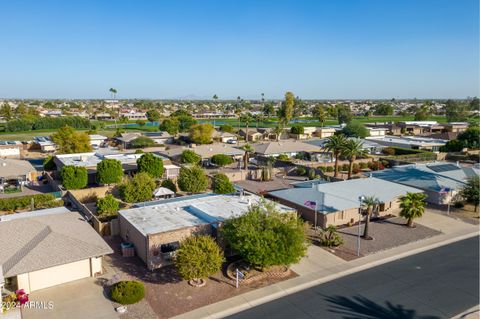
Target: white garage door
column 59, row 275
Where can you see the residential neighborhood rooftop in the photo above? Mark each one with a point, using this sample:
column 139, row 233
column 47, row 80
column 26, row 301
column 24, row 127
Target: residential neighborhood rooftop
column 180, row 212
column 284, row 146
column 46, row 238
column 338, row 196
column 432, row 177
column 408, row 140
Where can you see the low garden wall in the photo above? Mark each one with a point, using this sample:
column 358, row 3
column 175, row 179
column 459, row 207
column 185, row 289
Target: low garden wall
column 104, row 228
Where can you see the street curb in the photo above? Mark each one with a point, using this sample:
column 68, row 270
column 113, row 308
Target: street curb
column 285, row 292
column 472, row 313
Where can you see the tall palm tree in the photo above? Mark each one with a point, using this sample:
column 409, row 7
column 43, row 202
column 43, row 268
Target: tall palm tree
column 352, row 149
column 370, row 203
column 114, row 92
column 412, row 206
column 248, row 150
column 335, row 145
column 246, row 118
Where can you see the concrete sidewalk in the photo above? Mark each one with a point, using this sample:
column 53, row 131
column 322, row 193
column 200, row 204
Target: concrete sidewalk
column 320, row 266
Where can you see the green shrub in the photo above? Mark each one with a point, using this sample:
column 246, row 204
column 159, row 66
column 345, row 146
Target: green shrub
column 311, row 173
column 222, row 185
column 192, row 179
column 128, row 292
column 168, row 183
column 151, row 164
column 107, row 206
column 330, row 237
column 363, row 165
column 142, row 141
column 458, row 205
column 109, row 171
column 74, row 177
column 283, row 157
column 199, row 257
column 49, row 164
column 190, row 157
column 221, row 159
column 301, row 171
column 39, row 201
column 139, row 189
column 226, row 128
column 344, row 167
column 330, row 169
column 297, row 129
column 139, row 152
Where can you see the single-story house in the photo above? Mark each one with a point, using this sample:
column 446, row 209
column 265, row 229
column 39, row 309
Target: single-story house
column 224, row 137
column 324, row 132
column 97, row 140
column 338, row 203
column 206, row 151
column 11, row 149
column 253, row 134
column 307, row 133
column 15, row 173
column 288, row 147
column 413, row 142
column 126, row 138
column 161, row 137
column 48, row 247
column 44, row 143
column 157, row 228
column 441, row 182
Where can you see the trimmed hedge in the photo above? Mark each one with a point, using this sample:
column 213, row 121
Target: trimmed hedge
column 39, row 201
column 128, row 292
column 47, row 123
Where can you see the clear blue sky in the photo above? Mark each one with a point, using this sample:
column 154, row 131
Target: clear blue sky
column 174, row 49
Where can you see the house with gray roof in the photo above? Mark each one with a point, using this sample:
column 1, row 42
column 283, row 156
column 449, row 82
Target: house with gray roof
column 157, row 228
column 441, row 182
column 338, row 203
column 288, row 147
column 48, row 247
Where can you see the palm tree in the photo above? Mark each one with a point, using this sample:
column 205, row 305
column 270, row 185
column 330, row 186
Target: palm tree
column 263, row 97
column 248, row 150
column 370, row 203
column 246, row 118
column 335, row 145
column 412, row 206
column 114, row 92
column 352, row 150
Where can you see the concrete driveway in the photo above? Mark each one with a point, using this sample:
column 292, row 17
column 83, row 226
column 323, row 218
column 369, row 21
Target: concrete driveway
column 75, row 300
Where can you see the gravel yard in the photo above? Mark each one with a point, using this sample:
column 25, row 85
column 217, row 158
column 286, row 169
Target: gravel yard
column 387, row 233
column 167, row 294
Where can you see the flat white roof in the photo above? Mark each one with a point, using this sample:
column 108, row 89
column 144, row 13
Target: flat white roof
column 409, row 140
column 171, row 214
column 93, row 158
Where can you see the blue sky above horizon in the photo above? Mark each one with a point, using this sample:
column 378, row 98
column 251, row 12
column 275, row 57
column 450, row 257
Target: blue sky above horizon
column 178, row 49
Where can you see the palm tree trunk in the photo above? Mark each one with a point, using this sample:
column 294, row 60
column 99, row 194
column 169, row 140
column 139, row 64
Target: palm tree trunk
column 367, row 223
column 336, row 165
column 350, row 169
column 410, row 222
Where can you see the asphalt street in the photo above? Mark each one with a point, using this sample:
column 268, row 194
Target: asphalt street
column 439, row 283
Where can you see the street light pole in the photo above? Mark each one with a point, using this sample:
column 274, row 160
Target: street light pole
column 359, row 223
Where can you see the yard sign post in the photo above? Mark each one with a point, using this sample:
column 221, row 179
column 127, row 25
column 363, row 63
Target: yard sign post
column 359, row 223
column 238, row 275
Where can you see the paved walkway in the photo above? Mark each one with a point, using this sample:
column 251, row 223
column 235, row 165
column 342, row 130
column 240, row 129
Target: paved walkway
column 320, row 266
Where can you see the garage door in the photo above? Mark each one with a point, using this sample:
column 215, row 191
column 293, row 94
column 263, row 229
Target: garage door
column 59, row 275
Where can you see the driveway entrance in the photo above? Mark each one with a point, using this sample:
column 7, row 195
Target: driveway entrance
column 75, row 300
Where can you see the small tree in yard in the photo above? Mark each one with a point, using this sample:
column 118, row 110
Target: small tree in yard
column 221, row 159
column 74, row 177
column 150, row 164
column 330, row 237
column 49, row 164
column 265, row 237
column 190, row 157
column 109, row 171
column 198, row 258
column 168, row 183
column 222, row 185
column 412, row 206
column 140, row 188
column 471, row 192
column 107, row 206
column 201, row 133
column 192, row 179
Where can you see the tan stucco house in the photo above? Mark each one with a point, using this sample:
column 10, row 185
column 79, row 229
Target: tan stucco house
column 48, row 247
